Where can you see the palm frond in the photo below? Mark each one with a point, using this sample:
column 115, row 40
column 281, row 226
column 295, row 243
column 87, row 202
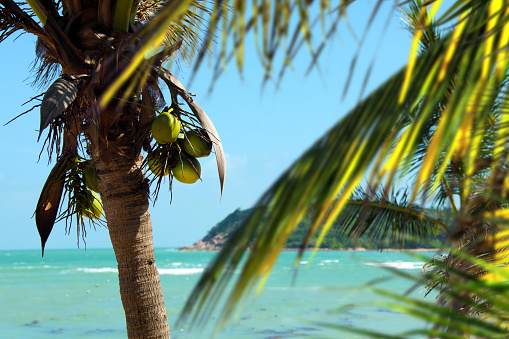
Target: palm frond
column 188, row 29
column 45, row 68
column 387, row 218
column 276, row 26
column 447, row 323
column 153, row 34
column 473, row 289
column 14, row 18
column 417, row 18
column 19, row 18
column 331, row 166
column 336, row 163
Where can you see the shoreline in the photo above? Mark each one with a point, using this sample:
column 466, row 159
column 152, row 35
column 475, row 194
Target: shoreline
column 356, row 249
column 362, row 249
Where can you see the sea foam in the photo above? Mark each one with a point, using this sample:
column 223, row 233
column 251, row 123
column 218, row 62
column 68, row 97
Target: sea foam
column 402, row 265
column 97, row 270
column 180, row 271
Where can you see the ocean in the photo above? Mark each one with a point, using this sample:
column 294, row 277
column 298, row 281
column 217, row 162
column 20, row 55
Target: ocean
column 75, row 294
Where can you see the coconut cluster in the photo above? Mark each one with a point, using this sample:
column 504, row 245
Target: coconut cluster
column 177, row 153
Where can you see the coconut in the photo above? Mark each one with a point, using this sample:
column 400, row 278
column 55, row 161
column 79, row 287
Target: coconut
column 90, row 177
column 94, row 206
column 197, row 144
column 166, row 128
column 187, row 170
column 155, row 165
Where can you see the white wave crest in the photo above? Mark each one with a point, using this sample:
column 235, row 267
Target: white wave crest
column 180, row 271
column 98, row 270
column 402, row 265
column 328, row 262
column 33, row 267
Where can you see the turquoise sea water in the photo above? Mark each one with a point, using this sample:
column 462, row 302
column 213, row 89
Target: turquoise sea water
column 74, row 294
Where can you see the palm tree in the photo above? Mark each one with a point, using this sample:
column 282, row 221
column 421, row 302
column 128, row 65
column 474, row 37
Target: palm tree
column 97, row 131
column 476, row 241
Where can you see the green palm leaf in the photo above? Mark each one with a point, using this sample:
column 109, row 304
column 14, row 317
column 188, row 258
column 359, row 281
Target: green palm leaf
column 336, row 163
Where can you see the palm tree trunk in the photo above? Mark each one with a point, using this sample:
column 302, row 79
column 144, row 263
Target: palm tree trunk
column 124, row 195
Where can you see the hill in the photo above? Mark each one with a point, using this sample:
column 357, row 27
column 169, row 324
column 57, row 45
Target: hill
column 218, row 235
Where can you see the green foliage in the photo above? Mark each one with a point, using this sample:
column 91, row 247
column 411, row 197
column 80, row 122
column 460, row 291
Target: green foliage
column 227, row 225
column 442, row 119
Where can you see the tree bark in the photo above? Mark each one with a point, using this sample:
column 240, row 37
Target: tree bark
column 124, row 194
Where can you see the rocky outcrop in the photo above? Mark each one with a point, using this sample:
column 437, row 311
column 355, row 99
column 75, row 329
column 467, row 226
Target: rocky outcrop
column 215, row 244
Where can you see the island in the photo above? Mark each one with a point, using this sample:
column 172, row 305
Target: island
column 219, row 234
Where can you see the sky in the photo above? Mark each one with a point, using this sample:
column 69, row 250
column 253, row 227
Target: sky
column 263, row 131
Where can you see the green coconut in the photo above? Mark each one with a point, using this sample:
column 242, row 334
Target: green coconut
column 197, row 144
column 166, row 128
column 94, row 207
column 187, row 170
column 90, row 176
column 155, row 165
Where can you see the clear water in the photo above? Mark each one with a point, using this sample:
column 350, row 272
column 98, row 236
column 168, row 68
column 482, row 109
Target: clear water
column 74, row 294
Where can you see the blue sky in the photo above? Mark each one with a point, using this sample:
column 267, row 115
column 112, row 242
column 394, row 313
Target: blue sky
column 263, row 131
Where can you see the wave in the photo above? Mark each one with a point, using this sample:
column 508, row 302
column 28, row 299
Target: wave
column 180, row 271
column 97, row 270
column 328, row 262
column 30, row 267
column 402, row 265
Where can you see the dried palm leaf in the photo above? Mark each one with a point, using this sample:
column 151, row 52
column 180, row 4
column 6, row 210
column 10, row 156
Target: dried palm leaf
column 49, row 201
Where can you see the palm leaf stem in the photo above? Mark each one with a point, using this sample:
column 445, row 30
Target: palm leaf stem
column 122, row 15
column 38, row 11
